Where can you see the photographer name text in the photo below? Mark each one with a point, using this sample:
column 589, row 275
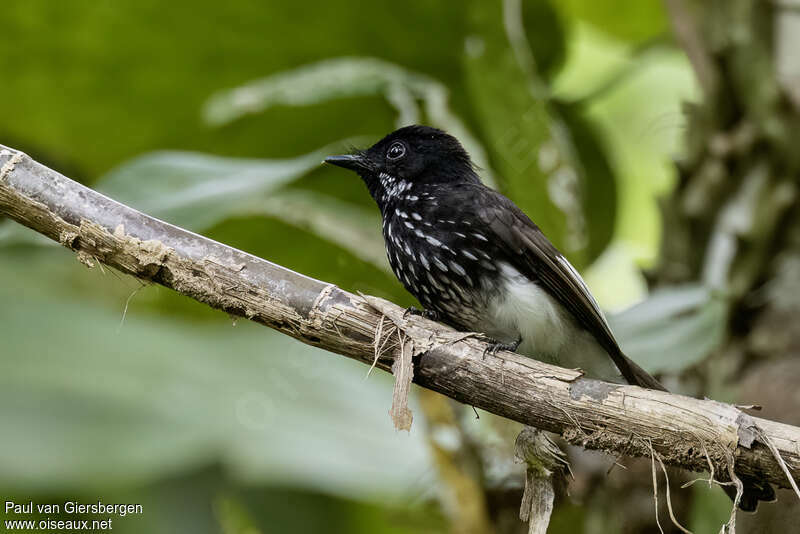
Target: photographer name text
column 109, row 511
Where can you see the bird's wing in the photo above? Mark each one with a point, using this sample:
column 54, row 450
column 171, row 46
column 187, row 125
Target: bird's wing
column 533, row 254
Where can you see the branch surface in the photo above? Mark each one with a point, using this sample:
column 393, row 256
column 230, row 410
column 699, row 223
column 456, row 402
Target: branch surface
column 622, row 420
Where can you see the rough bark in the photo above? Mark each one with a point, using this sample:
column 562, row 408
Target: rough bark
column 681, row 431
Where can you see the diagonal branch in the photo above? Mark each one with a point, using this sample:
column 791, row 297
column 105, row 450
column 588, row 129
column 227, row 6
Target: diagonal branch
column 684, row 432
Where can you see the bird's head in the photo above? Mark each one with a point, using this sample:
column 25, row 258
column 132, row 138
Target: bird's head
column 409, row 157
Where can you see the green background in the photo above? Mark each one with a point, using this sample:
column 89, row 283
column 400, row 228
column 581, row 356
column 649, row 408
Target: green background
column 115, row 390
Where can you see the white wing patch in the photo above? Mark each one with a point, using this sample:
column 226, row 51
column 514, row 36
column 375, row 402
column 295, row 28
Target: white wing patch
column 575, row 275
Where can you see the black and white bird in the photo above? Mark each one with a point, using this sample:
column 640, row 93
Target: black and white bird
column 477, row 262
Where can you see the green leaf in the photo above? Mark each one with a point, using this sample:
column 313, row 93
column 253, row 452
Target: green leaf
column 529, row 142
column 544, row 30
column 351, row 227
column 349, row 77
column 323, row 81
column 635, row 103
column 629, row 20
column 673, row 328
column 103, row 68
column 196, row 190
column 597, row 181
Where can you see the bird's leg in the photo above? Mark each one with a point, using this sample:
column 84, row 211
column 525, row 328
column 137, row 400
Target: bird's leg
column 496, row 346
column 428, row 314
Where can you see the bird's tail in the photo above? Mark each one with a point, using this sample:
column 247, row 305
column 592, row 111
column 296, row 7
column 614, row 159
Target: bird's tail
column 754, row 491
column 635, row 374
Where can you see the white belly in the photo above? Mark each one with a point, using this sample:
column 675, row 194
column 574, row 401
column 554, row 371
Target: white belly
column 549, row 333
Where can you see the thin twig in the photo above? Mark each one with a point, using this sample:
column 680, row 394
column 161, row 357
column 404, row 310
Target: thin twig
column 125, row 310
column 655, row 484
column 776, row 453
column 669, row 500
column 378, row 332
column 620, row 455
column 730, row 526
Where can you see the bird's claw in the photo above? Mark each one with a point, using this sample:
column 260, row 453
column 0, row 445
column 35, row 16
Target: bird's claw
column 496, row 346
column 428, row 314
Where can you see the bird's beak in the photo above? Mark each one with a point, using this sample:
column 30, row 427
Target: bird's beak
column 354, row 162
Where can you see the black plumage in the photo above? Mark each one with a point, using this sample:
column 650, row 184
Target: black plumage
column 452, row 242
column 477, row 262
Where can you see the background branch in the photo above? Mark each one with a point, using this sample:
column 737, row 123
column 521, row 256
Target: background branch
column 682, row 431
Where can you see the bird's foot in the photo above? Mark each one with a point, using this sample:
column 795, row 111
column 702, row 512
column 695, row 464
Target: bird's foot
column 428, row 314
column 496, row 346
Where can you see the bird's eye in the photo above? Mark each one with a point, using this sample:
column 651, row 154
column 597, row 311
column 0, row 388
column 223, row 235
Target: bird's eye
column 396, row 151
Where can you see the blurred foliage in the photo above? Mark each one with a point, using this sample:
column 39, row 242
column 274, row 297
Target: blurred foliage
column 672, row 330
column 628, row 20
column 92, row 391
column 215, row 117
column 512, row 111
